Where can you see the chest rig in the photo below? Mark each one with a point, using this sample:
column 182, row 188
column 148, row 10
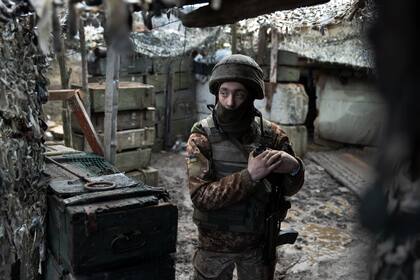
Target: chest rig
column 246, row 216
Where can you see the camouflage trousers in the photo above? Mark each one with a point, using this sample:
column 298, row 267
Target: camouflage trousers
column 219, row 266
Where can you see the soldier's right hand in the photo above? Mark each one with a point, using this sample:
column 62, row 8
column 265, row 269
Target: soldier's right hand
column 263, row 164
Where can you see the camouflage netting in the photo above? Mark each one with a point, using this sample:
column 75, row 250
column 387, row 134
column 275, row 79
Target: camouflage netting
column 172, row 43
column 22, row 189
column 329, row 33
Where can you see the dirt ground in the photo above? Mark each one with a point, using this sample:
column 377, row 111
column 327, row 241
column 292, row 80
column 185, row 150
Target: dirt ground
column 331, row 244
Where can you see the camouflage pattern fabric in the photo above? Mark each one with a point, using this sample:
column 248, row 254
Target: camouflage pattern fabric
column 207, row 193
column 22, row 186
column 219, row 266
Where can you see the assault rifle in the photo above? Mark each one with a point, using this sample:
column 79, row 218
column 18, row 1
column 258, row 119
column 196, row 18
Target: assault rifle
column 276, row 211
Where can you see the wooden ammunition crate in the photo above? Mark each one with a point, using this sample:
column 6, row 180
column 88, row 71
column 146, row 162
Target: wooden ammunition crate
column 80, row 143
column 126, row 139
column 284, row 73
column 124, row 161
column 162, row 268
column 131, row 96
column 125, row 120
column 178, row 64
column 183, row 105
column 180, row 81
column 95, row 231
column 134, row 138
column 133, row 160
column 148, row 175
column 131, row 63
column 180, row 127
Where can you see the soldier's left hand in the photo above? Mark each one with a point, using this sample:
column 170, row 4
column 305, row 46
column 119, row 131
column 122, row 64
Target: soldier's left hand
column 288, row 163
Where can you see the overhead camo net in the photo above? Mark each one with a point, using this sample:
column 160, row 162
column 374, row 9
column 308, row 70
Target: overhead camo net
column 171, row 43
column 22, row 188
column 332, row 32
column 168, row 38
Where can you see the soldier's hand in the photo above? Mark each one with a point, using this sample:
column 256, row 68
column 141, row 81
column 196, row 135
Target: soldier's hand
column 263, row 164
column 288, row 163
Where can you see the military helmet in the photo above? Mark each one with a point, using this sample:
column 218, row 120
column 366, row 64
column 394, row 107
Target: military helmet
column 238, row 68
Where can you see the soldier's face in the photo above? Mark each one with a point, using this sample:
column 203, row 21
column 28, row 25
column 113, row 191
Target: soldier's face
column 232, row 94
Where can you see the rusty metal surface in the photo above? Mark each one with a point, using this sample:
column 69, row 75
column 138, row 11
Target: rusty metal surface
column 56, row 172
column 75, row 187
column 346, row 167
column 117, row 194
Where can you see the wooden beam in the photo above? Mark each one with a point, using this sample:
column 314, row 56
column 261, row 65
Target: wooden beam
column 60, row 52
column 262, row 45
column 273, row 55
column 88, row 130
column 111, row 103
column 234, row 47
column 85, row 88
column 233, row 11
column 168, row 106
column 73, row 98
column 63, row 94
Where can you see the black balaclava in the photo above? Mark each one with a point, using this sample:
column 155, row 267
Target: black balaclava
column 238, row 121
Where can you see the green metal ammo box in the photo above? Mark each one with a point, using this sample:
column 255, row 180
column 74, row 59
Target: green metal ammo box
column 104, row 230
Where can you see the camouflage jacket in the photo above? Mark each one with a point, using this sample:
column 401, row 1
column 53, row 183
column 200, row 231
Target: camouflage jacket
column 208, row 193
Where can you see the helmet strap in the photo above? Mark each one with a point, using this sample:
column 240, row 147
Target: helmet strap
column 259, row 114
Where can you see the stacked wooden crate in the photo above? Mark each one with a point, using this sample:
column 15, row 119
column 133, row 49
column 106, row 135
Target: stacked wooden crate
column 182, row 111
column 131, row 64
column 154, row 71
column 135, row 128
column 288, row 69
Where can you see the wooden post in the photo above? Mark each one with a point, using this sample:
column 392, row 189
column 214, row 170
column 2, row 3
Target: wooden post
column 233, row 27
column 111, row 103
column 85, row 88
column 262, row 45
column 168, row 106
column 60, row 52
column 273, row 68
column 273, row 55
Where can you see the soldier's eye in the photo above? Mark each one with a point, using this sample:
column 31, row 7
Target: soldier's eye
column 240, row 95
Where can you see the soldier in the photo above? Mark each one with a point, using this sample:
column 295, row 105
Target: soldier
column 225, row 178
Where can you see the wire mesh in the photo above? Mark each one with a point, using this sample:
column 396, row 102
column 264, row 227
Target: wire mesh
column 93, row 164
